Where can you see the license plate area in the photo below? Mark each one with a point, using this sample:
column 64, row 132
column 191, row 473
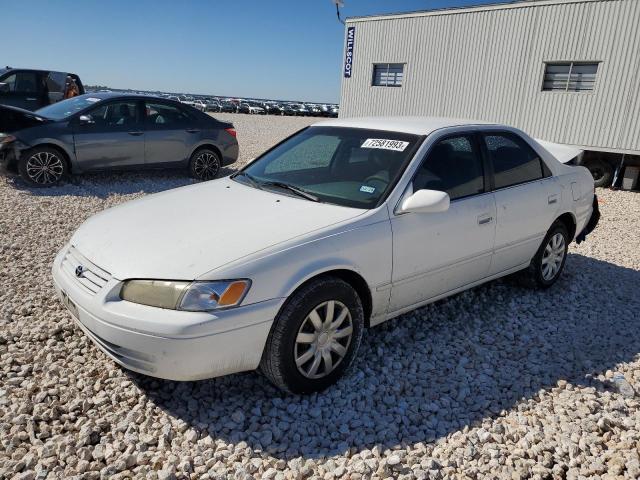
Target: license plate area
column 71, row 306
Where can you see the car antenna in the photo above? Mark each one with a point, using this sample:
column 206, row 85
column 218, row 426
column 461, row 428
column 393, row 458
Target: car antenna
column 339, row 3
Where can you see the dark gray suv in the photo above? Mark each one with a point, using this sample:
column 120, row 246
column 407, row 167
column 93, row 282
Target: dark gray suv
column 108, row 131
column 32, row 89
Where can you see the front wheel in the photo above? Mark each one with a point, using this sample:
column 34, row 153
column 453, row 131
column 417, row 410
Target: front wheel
column 548, row 263
column 204, row 164
column 42, row 167
column 315, row 337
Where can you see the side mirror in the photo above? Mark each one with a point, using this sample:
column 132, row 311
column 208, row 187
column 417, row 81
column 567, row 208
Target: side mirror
column 85, row 120
column 426, row 201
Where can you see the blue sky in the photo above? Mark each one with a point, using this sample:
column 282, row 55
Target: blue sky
column 287, row 49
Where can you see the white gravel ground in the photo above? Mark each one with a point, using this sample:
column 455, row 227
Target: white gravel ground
column 498, row 382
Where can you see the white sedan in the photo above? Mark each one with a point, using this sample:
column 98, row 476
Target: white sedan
column 340, row 227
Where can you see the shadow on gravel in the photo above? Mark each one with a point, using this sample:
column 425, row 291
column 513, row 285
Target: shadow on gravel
column 103, row 185
column 434, row 371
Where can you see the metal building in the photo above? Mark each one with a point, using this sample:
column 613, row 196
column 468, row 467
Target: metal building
column 566, row 71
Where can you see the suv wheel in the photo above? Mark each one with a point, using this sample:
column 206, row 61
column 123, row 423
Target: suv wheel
column 601, row 171
column 42, row 167
column 315, row 337
column 204, row 164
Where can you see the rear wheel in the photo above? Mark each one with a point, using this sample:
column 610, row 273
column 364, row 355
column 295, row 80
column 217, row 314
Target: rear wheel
column 315, row 337
column 42, row 166
column 204, row 164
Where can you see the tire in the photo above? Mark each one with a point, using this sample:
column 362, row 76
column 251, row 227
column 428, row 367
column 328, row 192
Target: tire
column 548, row 263
column 204, row 164
column 42, row 167
column 300, row 357
column 601, row 171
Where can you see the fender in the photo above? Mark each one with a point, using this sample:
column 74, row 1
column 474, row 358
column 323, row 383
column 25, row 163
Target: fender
column 71, row 154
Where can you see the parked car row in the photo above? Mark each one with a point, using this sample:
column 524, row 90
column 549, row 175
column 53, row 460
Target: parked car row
column 273, row 108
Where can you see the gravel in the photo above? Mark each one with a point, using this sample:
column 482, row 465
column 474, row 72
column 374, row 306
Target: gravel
column 497, row 382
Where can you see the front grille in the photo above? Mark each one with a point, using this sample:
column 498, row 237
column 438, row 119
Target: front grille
column 92, row 278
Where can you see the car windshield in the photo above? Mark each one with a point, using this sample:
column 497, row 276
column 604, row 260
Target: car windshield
column 66, row 108
column 351, row 167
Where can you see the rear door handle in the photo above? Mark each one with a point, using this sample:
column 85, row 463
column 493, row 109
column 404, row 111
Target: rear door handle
column 31, row 99
column 553, row 199
column 484, row 219
column 193, row 130
column 135, row 134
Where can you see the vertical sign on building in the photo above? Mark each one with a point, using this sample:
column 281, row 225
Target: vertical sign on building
column 348, row 56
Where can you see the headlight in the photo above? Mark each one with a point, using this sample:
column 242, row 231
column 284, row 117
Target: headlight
column 189, row 296
column 5, row 139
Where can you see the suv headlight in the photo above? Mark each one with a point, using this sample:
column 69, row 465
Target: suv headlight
column 189, row 296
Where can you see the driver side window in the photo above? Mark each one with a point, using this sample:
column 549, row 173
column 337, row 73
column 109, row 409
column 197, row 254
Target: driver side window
column 454, row 166
column 116, row 114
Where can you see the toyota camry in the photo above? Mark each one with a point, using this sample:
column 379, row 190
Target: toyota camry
column 338, row 228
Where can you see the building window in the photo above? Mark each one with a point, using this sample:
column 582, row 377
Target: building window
column 570, row 76
column 388, row 74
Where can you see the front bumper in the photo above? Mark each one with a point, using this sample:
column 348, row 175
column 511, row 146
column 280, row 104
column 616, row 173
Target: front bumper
column 162, row 343
column 8, row 155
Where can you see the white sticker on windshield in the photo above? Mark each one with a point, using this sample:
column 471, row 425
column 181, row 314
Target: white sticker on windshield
column 367, row 189
column 396, row 145
column 92, row 99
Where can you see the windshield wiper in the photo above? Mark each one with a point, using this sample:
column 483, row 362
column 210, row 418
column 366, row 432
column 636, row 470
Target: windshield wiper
column 297, row 190
column 251, row 178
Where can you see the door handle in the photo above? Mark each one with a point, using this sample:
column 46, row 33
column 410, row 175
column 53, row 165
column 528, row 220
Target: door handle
column 484, row 219
column 31, row 99
column 193, row 130
column 553, row 199
column 135, row 134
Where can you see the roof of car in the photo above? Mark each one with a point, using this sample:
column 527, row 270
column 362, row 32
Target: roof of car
column 108, row 95
column 415, row 125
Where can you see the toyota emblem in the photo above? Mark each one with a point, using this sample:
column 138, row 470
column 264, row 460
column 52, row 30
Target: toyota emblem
column 79, row 271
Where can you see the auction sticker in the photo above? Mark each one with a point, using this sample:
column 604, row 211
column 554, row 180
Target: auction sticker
column 385, row 144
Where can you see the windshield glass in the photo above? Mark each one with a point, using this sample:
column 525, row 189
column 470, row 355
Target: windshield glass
column 351, row 167
column 66, row 108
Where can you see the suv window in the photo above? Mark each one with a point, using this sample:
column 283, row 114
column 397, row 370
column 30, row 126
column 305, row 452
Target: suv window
column 514, row 161
column 116, row 114
column 165, row 116
column 20, row 82
column 452, row 166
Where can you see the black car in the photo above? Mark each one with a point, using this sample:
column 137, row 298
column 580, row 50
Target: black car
column 34, row 89
column 273, row 109
column 228, row 107
column 289, row 109
column 212, row 106
column 107, row 131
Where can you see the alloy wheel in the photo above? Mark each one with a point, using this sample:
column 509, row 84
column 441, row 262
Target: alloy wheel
column 44, row 168
column 206, row 166
column 553, row 256
column 323, row 339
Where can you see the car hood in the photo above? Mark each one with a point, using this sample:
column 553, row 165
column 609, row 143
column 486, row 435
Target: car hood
column 184, row 233
column 13, row 119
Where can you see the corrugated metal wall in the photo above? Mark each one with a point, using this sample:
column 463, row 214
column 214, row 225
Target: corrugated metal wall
column 487, row 64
